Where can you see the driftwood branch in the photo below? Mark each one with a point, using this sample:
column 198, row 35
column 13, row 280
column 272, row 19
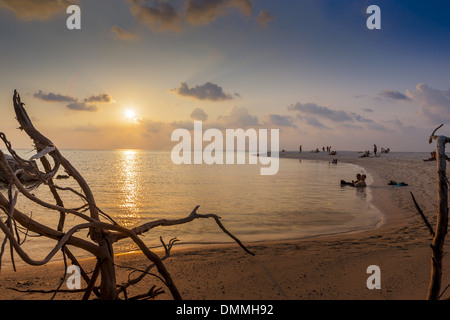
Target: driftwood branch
column 419, row 210
column 437, row 245
column 102, row 234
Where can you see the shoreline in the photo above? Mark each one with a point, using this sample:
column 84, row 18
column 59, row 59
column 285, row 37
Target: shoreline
column 331, row 267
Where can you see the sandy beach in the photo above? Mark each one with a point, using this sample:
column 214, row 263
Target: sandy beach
column 322, row 268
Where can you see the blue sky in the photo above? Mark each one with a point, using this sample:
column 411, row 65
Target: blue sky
column 310, row 68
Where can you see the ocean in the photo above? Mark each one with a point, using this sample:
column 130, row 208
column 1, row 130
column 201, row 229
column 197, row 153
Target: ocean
column 304, row 199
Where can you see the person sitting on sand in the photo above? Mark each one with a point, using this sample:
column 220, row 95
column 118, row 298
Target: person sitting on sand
column 434, row 158
column 397, row 184
column 361, row 183
column 366, row 154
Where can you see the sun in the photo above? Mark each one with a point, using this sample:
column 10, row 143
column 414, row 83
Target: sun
column 130, row 114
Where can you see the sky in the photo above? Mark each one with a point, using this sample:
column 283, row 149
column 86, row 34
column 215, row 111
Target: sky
column 139, row 69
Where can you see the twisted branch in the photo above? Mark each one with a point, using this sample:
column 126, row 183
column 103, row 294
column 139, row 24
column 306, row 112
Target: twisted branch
column 102, row 234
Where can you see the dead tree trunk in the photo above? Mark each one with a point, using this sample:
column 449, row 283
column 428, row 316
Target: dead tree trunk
column 437, row 246
column 102, row 234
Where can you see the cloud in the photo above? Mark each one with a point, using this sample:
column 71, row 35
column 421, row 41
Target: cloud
column 393, row 94
column 360, row 118
column 123, row 34
column 158, row 16
column 315, row 123
column 279, row 120
column 325, row 112
column 434, row 103
column 203, row 12
column 152, row 126
column 264, row 17
column 36, row 10
column 208, row 91
column 238, row 117
column 53, row 97
column 101, row 98
column 199, row 114
column 162, row 16
column 88, row 104
column 82, row 106
column 313, row 115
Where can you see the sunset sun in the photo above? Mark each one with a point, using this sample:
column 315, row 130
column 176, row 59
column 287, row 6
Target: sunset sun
column 130, row 114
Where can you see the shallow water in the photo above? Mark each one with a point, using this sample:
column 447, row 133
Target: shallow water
column 135, row 186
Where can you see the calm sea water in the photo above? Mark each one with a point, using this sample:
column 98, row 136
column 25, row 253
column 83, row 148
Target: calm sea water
column 135, row 186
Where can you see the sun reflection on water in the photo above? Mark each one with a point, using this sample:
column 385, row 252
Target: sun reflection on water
column 129, row 188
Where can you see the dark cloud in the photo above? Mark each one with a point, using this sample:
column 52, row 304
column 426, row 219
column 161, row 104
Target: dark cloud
column 367, row 109
column 199, row 114
column 203, row 12
column 238, row 117
column 325, row 112
column 207, row 91
column 158, row 15
column 434, row 103
column 352, row 126
column 264, row 17
column 101, row 98
column 123, row 34
column 360, row 118
column 88, row 104
column 54, row 97
column 393, row 94
column 315, row 123
column 311, row 113
column 82, row 106
column 36, row 10
column 280, row 120
column 161, row 15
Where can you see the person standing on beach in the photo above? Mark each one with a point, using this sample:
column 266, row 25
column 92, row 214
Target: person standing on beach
column 375, row 149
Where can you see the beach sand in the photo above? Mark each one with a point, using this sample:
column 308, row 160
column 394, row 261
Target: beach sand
column 322, row 268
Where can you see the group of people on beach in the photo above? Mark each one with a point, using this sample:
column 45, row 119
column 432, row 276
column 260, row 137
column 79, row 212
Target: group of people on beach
column 375, row 150
column 360, row 181
column 317, row 150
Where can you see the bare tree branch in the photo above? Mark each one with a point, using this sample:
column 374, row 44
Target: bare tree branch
column 442, row 217
column 422, row 215
column 102, row 234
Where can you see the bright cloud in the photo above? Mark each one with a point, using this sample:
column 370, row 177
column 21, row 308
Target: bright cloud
column 434, row 103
